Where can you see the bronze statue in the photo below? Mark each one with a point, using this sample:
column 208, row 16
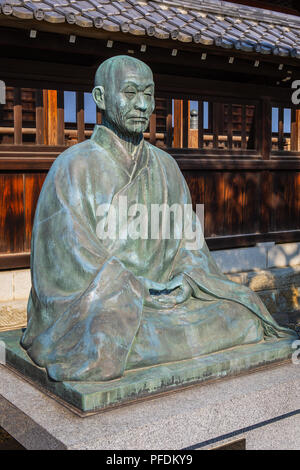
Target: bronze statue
column 100, row 305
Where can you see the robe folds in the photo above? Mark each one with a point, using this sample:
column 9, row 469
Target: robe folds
column 87, row 315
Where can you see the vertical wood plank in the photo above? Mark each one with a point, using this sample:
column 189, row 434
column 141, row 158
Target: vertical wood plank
column 196, row 183
column 252, row 202
column 200, row 125
column 253, row 132
column 11, row 213
column 33, row 185
column 297, row 133
column 215, row 211
column 80, row 115
column 185, row 124
column 220, row 117
column 52, row 117
column 39, row 117
column 295, row 130
column 45, row 115
column 280, row 129
column 215, row 125
column 244, row 127
column 286, row 201
column 98, row 116
column 60, row 118
column 152, row 128
column 265, row 124
column 169, row 124
column 296, row 187
column 17, row 116
column 234, row 195
column 178, row 123
column 266, row 205
column 229, row 125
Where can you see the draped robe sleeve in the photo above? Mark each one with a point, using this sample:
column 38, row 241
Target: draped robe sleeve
column 85, row 306
column 208, row 282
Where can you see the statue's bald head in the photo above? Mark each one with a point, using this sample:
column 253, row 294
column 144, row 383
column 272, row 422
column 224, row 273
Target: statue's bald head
column 124, row 91
column 113, row 67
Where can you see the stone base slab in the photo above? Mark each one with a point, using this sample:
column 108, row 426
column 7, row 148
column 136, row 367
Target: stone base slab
column 90, row 397
column 261, row 407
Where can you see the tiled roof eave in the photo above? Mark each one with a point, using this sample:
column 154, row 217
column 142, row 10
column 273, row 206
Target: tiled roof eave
column 218, row 23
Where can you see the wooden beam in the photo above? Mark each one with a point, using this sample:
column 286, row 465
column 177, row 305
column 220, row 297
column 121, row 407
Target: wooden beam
column 40, row 74
column 98, row 116
column 60, row 118
column 178, row 123
column 17, row 116
column 200, row 124
column 169, row 128
column 295, row 130
column 80, row 116
column 229, row 125
column 152, row 128
column 265, row 126
column 194, row 88
column 244, row 126
column 210, row 164
column 15, row 260
column 235, row 241
column 33, row 161
column 280, row 128
column 215, row 125
column 39, row 117
column 185, row 123
column 90, row 40
column 52, row 117
column 266, row 184
column 45, row 116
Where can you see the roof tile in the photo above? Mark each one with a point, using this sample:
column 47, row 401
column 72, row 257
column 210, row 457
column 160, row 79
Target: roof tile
column 207, row 22
column 110, row 26
column 54, row 17
column 22, row 12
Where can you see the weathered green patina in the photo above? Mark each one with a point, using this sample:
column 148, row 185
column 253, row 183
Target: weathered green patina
column 89, row 397
column 100, row 306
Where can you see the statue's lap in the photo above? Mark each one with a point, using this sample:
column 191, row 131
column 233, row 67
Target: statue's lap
column 191, row 330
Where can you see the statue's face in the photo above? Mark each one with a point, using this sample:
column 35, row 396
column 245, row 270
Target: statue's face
column 129, row 99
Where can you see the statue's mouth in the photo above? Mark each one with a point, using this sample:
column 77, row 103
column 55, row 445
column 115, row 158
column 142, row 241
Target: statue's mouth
column 138, row 118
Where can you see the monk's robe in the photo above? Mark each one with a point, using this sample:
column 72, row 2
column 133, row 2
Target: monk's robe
column 87, row 315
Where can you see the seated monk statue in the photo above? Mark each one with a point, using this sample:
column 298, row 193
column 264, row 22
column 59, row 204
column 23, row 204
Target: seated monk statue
column 102, row 305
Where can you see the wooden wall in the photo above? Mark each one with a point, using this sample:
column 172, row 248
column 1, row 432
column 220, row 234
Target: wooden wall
column 244, row 207
column 19, row 194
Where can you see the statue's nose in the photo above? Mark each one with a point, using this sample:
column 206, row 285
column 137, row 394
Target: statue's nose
column 141, row 103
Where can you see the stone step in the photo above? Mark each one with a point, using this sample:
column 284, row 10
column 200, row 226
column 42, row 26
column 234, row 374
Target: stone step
column 13, row 314
column 278, row 288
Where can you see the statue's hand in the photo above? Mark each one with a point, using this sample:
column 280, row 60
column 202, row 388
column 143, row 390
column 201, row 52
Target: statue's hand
column 181, row 291
column 177, row 281
column 149, row 299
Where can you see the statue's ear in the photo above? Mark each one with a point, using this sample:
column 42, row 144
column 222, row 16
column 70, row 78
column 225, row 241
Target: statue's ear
column 98, row 95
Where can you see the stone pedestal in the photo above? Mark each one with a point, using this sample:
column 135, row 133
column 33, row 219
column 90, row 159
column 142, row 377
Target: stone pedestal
column 91, row 397
column 262, row 407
